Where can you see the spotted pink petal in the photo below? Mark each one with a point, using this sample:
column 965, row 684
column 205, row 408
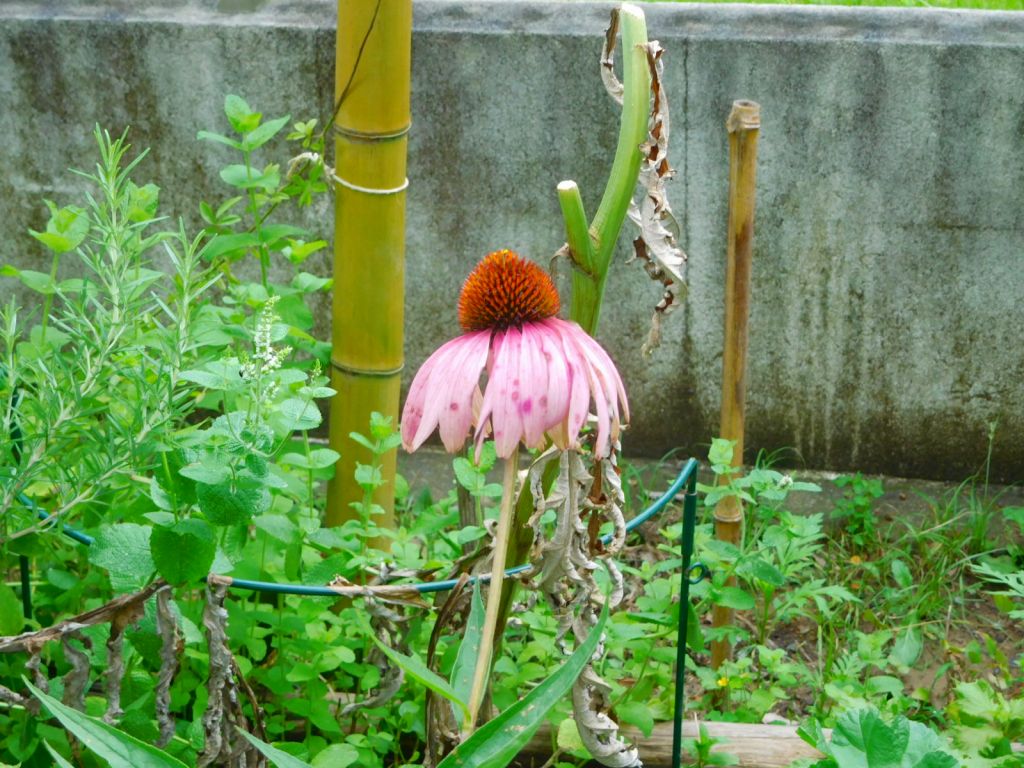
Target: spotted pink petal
column 501, row 396
column 463, row 386
column 534, row 379
column 541, row 380
column 579, row 391
column 554, row 403
column 602, row 363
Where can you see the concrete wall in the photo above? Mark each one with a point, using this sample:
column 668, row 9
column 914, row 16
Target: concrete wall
column 886, row 324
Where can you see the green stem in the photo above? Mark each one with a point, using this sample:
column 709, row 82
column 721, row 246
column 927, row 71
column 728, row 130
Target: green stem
column 48, row 301
column 588, row 292
column 309, row 475
column 577, row 232
column 257, row 222
column 501, row 536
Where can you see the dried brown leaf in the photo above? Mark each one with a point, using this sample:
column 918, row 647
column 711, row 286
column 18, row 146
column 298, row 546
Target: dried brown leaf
column 657, row 248
column 611, row 82
column 170, row 649
column 77, row 679
column 120, row 609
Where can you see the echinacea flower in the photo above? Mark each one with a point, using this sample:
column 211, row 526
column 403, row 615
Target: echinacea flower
column 542, row 373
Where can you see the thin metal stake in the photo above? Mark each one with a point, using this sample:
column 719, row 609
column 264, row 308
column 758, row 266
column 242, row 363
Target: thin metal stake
column 689, row 526
column 26, row 588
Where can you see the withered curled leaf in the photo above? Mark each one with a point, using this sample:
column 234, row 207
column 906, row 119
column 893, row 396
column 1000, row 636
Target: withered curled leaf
column 611, row 82
column 656, row 247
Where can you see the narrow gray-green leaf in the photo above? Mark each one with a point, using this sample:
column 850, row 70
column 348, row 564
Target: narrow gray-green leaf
column 497, row 742
column 278, row 757
column 119, row 749
column 469, row 649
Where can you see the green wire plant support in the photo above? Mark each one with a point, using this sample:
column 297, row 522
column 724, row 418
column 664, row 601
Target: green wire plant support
column 690, row 573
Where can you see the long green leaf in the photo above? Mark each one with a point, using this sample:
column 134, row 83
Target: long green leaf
column 420, row 672
column 469, row 649
column 116, row 747
column 278, row 757
column 497, row 743
column 264, row 133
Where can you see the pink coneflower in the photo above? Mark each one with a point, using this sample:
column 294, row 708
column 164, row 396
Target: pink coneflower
column 542, row 372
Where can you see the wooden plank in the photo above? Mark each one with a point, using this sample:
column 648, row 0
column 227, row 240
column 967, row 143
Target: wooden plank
column 756, row 746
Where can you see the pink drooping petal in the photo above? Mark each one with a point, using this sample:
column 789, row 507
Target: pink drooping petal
column 456, row 393
column 555, row 403
column 600, row 398
column 606, row 388
column 593, row 376
column 541, row 379
column 501, row 396
column 534, row 378
column 613, row 382
column 416, row 401
column 450, row 375
column 579, row 395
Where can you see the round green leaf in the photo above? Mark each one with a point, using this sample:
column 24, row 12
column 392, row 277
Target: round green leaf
column 184, row 551
column 734, row 597
column 11, row 619
column 224, row 505
column 123, row 549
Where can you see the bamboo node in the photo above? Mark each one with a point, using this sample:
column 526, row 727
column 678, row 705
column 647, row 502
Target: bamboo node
column 370, row 190
column 351, row 133
column 366, row 372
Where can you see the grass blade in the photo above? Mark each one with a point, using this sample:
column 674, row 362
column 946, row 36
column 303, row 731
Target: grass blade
column 57, row 758
column 420, row 672
column 116, row 747
column 496, row 743
column 278, row 757
column 465, row 661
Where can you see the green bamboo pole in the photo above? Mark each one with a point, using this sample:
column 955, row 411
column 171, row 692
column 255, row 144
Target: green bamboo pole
column 372, row 97
column 743, row 125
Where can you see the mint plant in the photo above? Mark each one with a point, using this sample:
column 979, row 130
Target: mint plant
column 776, row 565
column 855, row 510
column 155, row 404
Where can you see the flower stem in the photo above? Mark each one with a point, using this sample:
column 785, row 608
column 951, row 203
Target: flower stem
column 588, row 289
column 577, row 232
column 483, row 659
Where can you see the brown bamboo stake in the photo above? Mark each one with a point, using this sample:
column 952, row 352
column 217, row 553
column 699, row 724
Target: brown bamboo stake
column 372, row 74
column 743, row 125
